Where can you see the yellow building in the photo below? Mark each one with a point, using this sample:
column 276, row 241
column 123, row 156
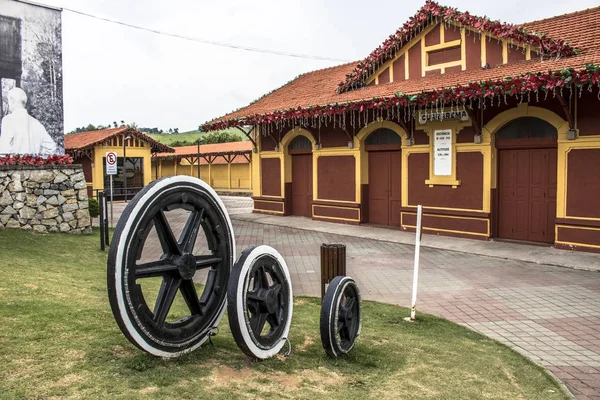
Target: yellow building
column 89, row 149
column 225, row 166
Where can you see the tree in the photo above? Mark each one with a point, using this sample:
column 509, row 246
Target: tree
column 115, row 124
column 176, row 130
column 170, row 130
column 221, row 137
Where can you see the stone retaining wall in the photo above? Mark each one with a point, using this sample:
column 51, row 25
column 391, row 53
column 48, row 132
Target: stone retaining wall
column 49, row 198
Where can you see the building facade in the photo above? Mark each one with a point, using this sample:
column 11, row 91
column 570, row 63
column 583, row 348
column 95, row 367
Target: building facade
column 134, row 157
column 224, row 166
column 493, row 128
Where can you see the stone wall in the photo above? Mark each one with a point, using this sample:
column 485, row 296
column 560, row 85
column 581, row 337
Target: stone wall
column 49, row 198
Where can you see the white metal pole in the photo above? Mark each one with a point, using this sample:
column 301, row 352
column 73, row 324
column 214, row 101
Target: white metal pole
column 111, row 201
column 413, row 309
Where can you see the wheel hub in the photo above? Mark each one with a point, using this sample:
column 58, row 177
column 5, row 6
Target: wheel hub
column 271, row 301
column 186, row 266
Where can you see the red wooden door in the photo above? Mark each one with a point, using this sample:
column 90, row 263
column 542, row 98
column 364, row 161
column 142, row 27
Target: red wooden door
column 384, row 187
column 527, row 190
column 302, row 185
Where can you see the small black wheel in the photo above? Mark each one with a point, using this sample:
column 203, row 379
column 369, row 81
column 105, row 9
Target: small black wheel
column 175, row 232
column 259, row 302
column 340, row 316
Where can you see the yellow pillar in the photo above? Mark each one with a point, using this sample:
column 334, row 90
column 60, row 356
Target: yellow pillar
column 229, row 175
column 159, row 169
column 175, row 168
column 209, row 175
column 250, row 175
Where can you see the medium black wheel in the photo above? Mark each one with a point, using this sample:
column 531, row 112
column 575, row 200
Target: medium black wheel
column 340, row 316
column 174, row 233
column 259, row 302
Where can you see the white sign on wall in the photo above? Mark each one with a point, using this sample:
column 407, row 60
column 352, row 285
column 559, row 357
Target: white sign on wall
column 111, row 163
column 442, row 152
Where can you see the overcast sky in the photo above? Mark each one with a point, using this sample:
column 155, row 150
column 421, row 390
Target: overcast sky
column 112, row 72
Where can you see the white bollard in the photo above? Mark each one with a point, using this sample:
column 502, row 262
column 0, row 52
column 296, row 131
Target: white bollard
column 413, row 308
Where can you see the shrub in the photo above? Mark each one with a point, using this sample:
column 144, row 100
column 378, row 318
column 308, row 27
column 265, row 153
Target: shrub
column 94, row 208
column 27, row 159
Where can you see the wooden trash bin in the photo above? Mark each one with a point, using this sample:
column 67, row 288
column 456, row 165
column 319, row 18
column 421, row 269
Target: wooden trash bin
column 333, row 263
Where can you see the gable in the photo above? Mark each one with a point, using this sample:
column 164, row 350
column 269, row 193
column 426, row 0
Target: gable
column 446, row 48
column 406, row 39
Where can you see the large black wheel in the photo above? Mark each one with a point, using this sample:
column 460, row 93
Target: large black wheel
column 168, row 266
column 259, row 302
column 340, row 316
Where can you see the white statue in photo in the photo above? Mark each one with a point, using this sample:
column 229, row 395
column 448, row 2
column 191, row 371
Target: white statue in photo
column 21, row 133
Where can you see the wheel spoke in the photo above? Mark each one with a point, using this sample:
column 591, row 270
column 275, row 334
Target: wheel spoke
column 349, row 304
column 191, row 297
column 206, row 261
column 264, row 280
column 257, row 322
column 253, row 295
column 273, row 320
column 154, row 268
column 187, row 240
column 276, row 288
column 164, row 301
column 253, row 305
column 165, row 234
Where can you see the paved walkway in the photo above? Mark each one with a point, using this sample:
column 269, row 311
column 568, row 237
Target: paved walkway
column 548, row 313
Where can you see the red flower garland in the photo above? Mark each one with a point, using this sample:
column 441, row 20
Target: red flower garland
column 433, row 12
column 28, row 159
column 460, row 94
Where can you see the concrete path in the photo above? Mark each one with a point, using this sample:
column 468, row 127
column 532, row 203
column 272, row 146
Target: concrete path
column 513, row 293
column 515, row 251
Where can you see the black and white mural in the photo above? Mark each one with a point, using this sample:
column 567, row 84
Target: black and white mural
column 31, row 107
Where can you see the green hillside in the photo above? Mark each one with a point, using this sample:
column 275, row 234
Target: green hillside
column 191, row 136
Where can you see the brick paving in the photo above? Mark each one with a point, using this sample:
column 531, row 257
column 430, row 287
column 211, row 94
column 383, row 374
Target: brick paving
column 547, row 313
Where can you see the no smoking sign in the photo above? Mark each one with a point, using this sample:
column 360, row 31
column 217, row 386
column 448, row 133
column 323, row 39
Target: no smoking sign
column 111, row 163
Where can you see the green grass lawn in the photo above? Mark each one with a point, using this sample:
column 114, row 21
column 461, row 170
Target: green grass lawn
column 191, row 136
column 58, row 340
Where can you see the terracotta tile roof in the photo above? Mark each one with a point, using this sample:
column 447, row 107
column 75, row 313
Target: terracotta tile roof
column 81, row 142
column 217, row 150
column 580, row 28
column 319, row 87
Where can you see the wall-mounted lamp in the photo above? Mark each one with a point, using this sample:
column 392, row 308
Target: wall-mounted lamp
column 409, row 142
column 254, row 149
column 350, row 144
column 477, row 139
column 572, row 134
column 318, row 146
column 276, row 147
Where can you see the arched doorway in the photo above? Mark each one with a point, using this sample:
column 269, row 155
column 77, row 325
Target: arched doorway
column 527, row 171
column 385, row 168
column 300, row 149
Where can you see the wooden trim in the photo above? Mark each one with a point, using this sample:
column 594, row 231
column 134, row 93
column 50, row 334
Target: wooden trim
column 578, row 222
column 266, row 198
column 526, row 143
column 335, row 204
column 451, row 231
column 299, row 151
column 450, row 212
column 442, row 45
column 383, row 147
